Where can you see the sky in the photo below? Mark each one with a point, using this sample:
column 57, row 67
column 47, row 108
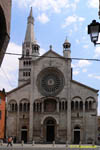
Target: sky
column 54, row 21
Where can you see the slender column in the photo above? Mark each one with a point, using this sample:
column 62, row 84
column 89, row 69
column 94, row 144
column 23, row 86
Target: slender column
column 22, row 107
column 78, row 105
column 17, row 126
column 69, row 122
column 42, row 131
column 31, row 123
column 69, row 135
column 42, row 107
column 84, row 131
column 61, row 106
column 57, row 106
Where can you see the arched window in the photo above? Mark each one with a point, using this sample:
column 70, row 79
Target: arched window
column 25, row 107
column 72, row 105
column 86, row 105
column 16, row 107
column 20, row 107
column 81, row 105
column 12, row 106
column 90, row 105
column 59, row 106
column 76, row 105
column 63, row 105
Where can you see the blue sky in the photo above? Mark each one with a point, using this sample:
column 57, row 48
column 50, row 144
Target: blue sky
column 54, row 21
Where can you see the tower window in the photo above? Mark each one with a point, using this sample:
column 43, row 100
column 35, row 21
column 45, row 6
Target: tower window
column 25, row 74
column 27, row 63
column 27, row 52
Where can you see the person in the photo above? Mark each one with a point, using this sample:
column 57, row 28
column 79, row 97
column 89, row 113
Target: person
column 9, row 141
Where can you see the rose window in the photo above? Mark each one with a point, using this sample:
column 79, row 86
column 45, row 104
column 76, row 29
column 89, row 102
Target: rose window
column 50, row 82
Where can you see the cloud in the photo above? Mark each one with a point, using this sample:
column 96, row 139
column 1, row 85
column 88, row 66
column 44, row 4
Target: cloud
column 77, row 41
column 9, row 68
column 76, row 72
column 81, row 64
column 94, row 76
column 85, row 46
column 97, row 52
column 72, row 19
column 93, row 3
column 43, row 18
column 42, row 51
column 47, row 5
column 84, row 70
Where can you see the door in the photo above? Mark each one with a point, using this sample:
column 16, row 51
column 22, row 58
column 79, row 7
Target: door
column 24, row 134
column 50, row 133
column 76, row 135
column 50, row 130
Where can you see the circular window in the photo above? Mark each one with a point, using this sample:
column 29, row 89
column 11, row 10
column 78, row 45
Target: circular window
column 50, row 81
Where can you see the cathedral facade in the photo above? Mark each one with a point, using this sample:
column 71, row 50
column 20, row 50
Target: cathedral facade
column 48, row 105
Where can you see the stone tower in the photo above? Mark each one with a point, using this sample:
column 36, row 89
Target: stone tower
column 30, row 51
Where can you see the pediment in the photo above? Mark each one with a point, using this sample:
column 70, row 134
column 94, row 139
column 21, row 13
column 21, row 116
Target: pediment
column 51, row 54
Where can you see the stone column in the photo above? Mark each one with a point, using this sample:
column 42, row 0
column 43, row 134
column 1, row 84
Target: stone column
column 42, row 106
column 84, row 125
column 18, row 129
column 69, row 122
column 68, row 92
column 57, row 106
column 31, row 123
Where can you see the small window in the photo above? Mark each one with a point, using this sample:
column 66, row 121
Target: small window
column 27, row 52
column 23, row 73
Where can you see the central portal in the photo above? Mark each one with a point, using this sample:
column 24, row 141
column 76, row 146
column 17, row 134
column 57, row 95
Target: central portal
column 50, row 130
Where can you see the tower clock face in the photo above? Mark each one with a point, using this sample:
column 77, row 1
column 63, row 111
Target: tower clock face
column 50, row 82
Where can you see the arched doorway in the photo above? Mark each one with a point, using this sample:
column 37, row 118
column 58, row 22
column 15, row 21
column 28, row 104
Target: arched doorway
column 76, row 135
column 50, row 129
column 24, row 134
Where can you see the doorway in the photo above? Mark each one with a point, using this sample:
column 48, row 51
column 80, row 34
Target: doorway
column 76, row 135
column 24, row 134
column 50, row 130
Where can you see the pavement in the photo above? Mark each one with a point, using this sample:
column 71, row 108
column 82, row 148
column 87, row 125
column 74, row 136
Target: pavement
column 47, row 147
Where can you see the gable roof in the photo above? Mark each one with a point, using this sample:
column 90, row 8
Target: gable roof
column 19, row 87
column 54, row 53
column 95, row 90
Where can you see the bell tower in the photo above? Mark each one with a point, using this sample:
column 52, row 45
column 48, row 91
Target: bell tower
column 66, row 49
column 30, row 51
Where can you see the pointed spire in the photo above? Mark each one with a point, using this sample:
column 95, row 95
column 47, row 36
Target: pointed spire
column 30, row 37
column 30, row 12
column 30, row 18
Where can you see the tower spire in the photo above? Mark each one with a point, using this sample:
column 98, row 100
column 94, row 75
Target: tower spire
column 30, row 36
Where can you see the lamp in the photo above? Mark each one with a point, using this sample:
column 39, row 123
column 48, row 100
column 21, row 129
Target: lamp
column 93, row 30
